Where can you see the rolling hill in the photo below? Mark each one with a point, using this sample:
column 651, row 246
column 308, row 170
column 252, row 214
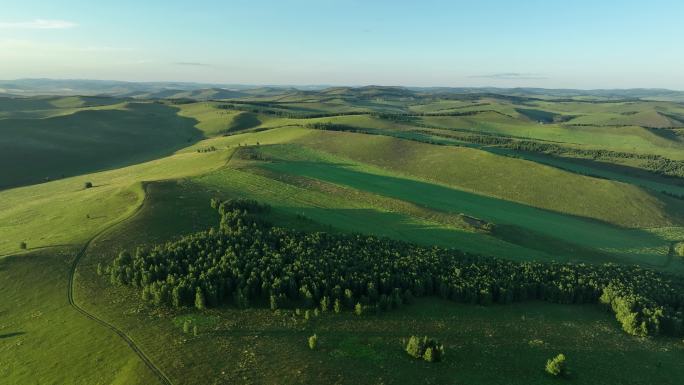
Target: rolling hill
column 507, row 177
column 87, row 140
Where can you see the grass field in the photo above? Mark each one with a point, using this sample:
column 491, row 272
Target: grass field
column 90, row 140
column 547, row 231
column 213, row 121
column 259, row 346
column 43, row 341
column 154, row 167
column 505, row 178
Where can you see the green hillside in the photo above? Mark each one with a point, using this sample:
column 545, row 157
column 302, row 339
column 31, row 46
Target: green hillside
column 506, row 178
column 89, row 140
column 511, row 178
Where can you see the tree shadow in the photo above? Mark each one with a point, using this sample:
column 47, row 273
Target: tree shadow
column 554, row 231
column 10, row 335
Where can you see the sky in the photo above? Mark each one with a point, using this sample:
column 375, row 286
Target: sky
column 502, row 43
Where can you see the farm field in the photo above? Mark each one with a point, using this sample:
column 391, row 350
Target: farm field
column 516, row 179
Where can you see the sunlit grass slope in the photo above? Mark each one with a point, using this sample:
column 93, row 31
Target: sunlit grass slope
column 64, row 212
column 215, row 121
column 502, row 177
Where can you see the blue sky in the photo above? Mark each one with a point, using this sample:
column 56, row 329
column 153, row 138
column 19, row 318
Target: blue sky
column 552, row 43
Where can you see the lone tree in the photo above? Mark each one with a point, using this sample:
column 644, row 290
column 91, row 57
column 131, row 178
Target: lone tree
column 88, row 185
column 313, row 342
column 358, row 309
column 557, row 366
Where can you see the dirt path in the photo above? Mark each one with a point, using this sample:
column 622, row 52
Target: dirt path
column 70, row 294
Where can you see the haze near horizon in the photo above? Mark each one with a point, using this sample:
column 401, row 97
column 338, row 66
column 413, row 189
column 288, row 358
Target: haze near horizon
column 612, row 44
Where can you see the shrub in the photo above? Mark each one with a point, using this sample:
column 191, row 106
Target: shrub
column 88, row 185
column 23, row 245
column 186, row 326
column 358, row 309
column 313, row 342
column 413, row 347
column 338, row 306
column 195, row 331
column 679, row 249
column 556, row 366
column 426, row 348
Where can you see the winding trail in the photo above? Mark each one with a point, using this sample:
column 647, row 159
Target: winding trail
column 163, row 379
column 70, row 295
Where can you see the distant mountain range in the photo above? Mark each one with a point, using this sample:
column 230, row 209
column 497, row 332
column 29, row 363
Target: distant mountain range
column 206, row 91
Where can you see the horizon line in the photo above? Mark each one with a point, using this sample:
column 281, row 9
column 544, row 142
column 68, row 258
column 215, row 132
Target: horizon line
column 347, row 85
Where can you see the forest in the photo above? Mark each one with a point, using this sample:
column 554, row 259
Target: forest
column 248, row 262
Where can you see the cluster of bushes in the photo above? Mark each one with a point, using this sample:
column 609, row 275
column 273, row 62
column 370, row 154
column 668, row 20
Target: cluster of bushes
column 425, row 348
column 431, row 350
column 189, row 327
column 665, row 166
column 483, row 139
column 652, row 162
column 333, row 127
column 655, row 163
column 282, row 112
column 276, row 109
column 206, row 149
column 248, row 262
column 486, row 139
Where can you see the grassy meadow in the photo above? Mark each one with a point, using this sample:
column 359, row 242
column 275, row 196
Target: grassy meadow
column 88, row 140
column 407, row 173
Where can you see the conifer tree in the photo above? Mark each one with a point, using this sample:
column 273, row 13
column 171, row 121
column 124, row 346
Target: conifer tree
column 199, row 299
column 325, row 303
